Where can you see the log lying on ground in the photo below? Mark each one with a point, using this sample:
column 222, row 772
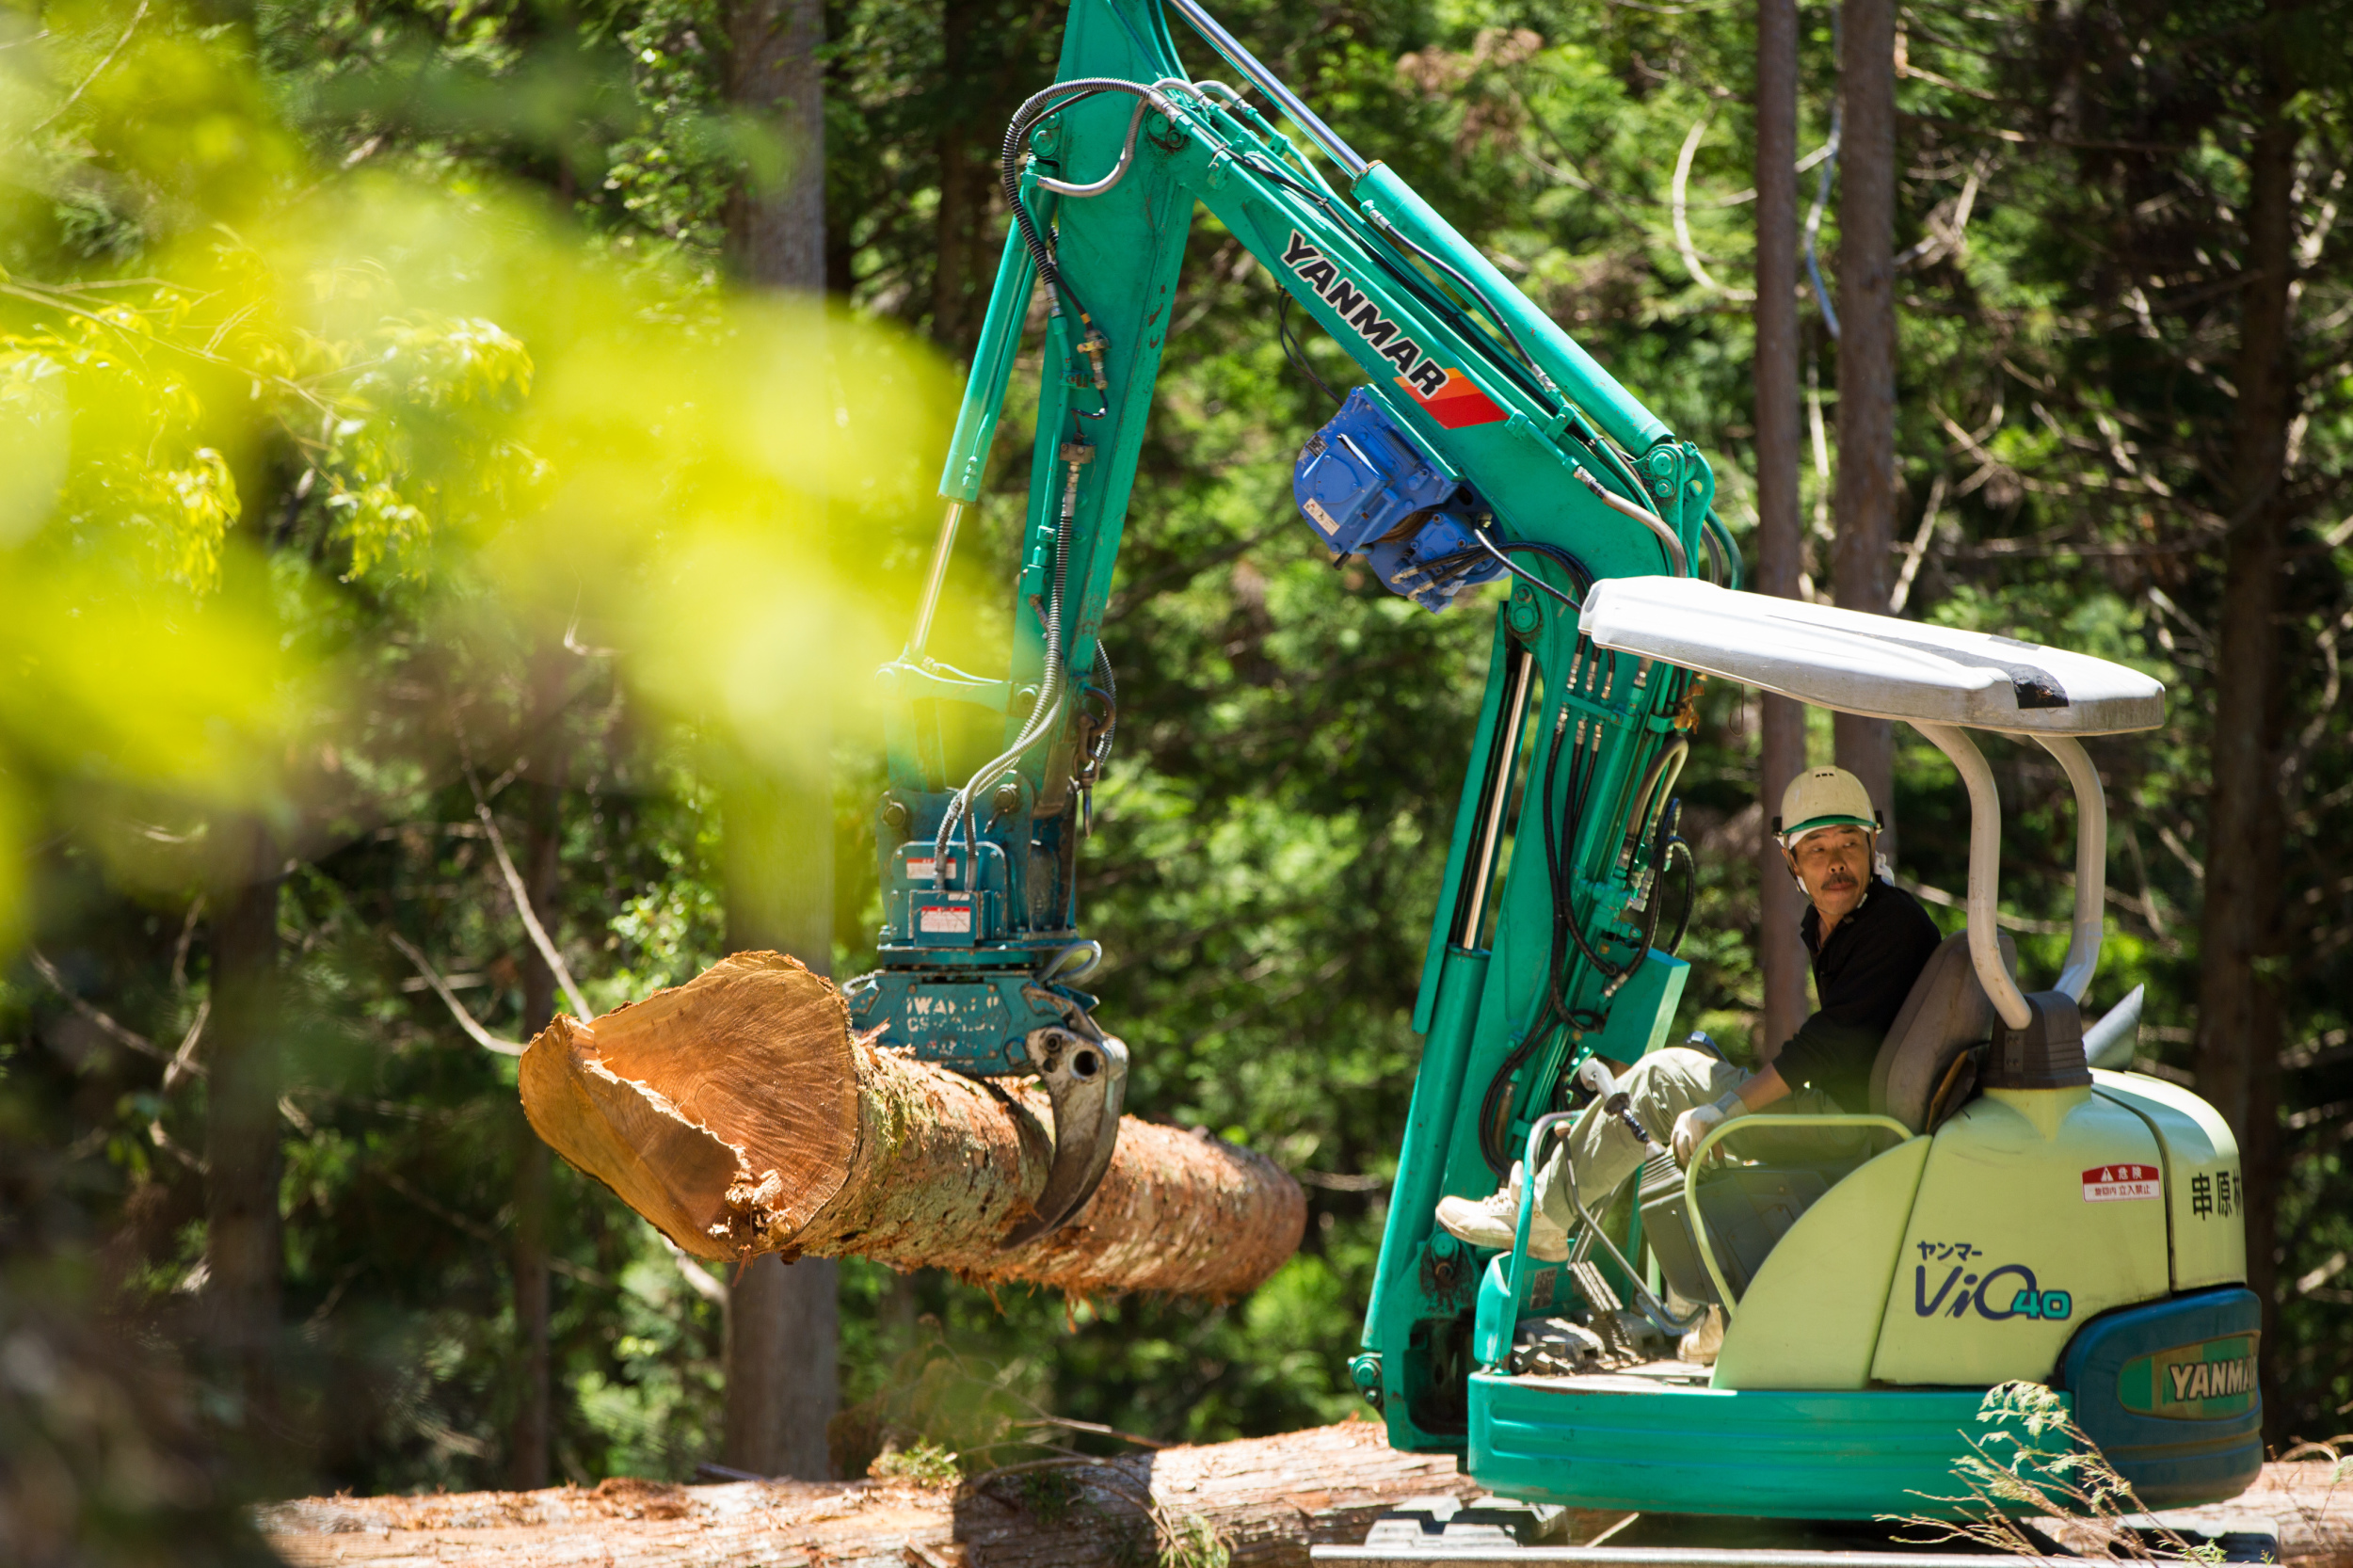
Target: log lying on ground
column 740, row 1115
column 2307, row 1503
column 1267, row 1499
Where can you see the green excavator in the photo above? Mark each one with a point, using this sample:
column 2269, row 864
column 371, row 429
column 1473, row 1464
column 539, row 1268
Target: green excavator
column 2012, row 1206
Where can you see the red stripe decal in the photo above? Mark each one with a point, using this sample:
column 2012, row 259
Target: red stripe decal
column 1459, row 403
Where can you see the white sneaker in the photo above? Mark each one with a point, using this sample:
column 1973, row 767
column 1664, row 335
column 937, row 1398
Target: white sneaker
column 1488, row 1222
column 1700, row 1347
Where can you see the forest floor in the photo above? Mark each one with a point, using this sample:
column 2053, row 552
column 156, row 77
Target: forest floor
column 1263, row 1500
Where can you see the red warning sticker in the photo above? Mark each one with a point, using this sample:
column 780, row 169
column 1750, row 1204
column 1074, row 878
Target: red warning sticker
column 944, row 920
column 2118, row 1183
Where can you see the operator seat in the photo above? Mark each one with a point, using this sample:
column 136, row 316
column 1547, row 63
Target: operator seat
column 1922, row 1074
column 1918, row 1074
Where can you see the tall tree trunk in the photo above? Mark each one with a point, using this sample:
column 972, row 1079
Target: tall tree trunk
column 1779, row 537
column 783, row 1383
column 783, row 1330
column 1866, row 359
column 243, row 1249
column 527, row 1448
column 776, row 235
column 2239, row 929
column 963, row 185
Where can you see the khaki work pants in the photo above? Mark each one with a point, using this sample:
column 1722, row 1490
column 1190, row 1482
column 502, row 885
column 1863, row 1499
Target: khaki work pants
column 1659, row 1088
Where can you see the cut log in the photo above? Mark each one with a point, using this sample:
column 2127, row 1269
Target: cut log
column 1265, row 1499
column 740, row 1114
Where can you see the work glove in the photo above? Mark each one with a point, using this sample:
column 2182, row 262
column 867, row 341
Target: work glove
column 1700, row 1120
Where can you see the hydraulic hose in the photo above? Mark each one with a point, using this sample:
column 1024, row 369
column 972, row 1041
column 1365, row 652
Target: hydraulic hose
column 1108, row 684
column 1119, row 169
column 1562, row 868
column 1034, row 108
column 1714, row 524
column 1050, row 693
column 1495, row 1109
column 1397, row 237
column 1043, row 716
column 1650, row 911
column 1580, row 576
column 1582, row 772
column 1676, row 847
column 1495, row 1106
column 1534, row 581
column 1677, row 556
column 1486, row 544
column 1048, row 712
column 1657, row 783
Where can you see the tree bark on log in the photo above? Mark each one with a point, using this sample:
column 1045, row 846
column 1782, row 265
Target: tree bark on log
column 740, row 1114
column 1268, row 1499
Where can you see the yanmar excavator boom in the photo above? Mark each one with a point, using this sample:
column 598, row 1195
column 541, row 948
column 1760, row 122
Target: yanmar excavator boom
column 2003, row 1212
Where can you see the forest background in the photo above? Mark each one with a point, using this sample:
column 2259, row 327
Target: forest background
column 411, row 512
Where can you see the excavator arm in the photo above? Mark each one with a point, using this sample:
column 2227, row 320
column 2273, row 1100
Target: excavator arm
column 1484, row 444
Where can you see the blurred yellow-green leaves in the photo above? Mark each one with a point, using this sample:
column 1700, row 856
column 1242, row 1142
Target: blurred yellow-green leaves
column 482, row 418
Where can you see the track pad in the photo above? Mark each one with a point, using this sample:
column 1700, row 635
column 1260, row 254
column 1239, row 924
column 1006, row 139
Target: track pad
column 1086, row 1081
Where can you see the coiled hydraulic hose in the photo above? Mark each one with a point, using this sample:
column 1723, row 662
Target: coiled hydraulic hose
column 1108, row 684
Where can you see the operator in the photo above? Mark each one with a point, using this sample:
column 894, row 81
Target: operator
column 1869, row 940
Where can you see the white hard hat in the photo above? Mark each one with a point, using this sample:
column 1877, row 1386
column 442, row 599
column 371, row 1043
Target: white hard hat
column 1823, row 797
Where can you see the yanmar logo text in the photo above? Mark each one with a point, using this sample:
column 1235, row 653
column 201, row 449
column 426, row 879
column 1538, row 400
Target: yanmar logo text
column 2210, row 1380
column 2205, row 1382
column 1451, row 398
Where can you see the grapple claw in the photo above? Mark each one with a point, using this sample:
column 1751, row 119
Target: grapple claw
column 1085, row 1074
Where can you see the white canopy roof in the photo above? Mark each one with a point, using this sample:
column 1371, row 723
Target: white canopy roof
column 1874, row 666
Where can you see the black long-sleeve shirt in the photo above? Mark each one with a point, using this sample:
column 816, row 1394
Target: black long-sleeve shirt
column 1862, row 975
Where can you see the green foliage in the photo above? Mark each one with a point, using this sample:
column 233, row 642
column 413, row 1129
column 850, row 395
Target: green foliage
column 1194, row 1542
column 932, row 1405
column 927, row 1464
column 2039, row 1462
column 1049, row 1493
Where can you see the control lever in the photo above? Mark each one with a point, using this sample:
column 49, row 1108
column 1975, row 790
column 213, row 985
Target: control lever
column 1085, row 1074
column 1617, row 1102
column 1595, row 1076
